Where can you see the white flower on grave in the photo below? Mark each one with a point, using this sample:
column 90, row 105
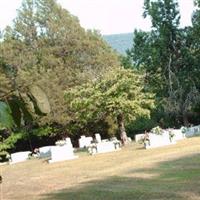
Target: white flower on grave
column 60, row 142
column 171, row 135
column 157, row 130
column 183, row 129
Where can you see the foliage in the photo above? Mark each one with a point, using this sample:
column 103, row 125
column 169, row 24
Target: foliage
column 44, row 52
column 43, row 131
column 120, row 95
column 112, row 126
column 6, row 120
column 157, row 130
column 10, row 141
column 48, row 49
column 140, row 125
column 169, row 56
column 40, row 99
column 5, row 82
column 6, row 144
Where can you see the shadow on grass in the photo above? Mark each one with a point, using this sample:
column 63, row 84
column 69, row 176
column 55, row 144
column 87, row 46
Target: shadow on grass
column 177, row 179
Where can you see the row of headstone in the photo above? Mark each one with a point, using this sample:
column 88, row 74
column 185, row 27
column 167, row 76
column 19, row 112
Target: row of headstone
column 163, row 138
column 63, row 150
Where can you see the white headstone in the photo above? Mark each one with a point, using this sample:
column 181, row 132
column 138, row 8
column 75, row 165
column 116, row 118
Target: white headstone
column 193, row 131
column 84, row 141
column 178, row 135
column 156, row 140
column 103, row 147
column 98, row 137
column 61, row 153
column 68, row 142
column 139, row 137
column 45, row 151
column 19, row 156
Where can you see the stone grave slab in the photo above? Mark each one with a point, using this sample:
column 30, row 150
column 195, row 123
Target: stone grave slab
column 19, row 156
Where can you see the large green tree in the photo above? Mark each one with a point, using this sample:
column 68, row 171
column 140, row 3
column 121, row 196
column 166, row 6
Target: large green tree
column 47, row 48
column 43, row 53
column 121, row 95
column 167, row 56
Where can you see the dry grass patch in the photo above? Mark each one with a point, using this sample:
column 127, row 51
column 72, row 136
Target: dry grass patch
column 171, row 172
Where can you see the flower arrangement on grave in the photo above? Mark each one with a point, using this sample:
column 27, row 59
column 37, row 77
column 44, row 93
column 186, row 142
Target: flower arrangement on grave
column 157, row 130
column 171, row 135
column 183, row 129
column 146, row 139
column 92, row 149
column 117, row 143
column 60, row 142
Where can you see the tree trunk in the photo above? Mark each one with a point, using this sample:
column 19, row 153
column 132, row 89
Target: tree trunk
column 123, row 135
column 185, row 119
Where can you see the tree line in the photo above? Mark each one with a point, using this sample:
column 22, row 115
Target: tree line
column 169, row 55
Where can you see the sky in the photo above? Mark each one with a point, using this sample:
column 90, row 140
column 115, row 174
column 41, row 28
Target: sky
column 107, row 16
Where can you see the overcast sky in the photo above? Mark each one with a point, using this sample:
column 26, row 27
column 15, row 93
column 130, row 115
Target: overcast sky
column 107, row 16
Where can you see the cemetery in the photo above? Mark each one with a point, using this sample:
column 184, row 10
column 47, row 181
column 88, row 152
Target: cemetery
column 82, row 120
column 124, row 172
column 63, row 150
column 64, row 161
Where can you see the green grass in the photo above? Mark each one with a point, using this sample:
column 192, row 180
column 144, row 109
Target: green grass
column 171, row 172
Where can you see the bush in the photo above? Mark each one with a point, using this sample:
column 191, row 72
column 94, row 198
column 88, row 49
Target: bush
column 140, row 125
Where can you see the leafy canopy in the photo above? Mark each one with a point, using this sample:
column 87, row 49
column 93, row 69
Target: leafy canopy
column 121, row 92
column 170, row 56
column 6, row 120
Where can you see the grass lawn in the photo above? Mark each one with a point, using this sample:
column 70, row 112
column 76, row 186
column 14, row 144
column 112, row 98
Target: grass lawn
column 171, row 172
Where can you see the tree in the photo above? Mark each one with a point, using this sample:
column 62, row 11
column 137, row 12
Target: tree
column 166, row 55
column 47, row 48
column 43, row 53
column 5, row 83
column 121, row 94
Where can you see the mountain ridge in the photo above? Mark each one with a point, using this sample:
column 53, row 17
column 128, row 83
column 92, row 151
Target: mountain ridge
column 120, row 42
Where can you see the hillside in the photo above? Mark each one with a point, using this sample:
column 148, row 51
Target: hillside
column 120, row 42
